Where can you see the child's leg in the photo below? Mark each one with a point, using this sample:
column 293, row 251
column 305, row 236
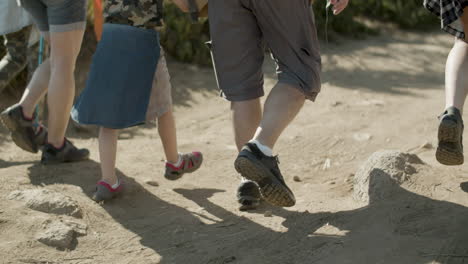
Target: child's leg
column 456, row 72
column 168, row 134
column 107, row 154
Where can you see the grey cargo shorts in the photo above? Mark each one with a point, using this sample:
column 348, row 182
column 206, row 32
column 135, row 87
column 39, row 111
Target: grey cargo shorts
column 240, row 30
column 57, row 15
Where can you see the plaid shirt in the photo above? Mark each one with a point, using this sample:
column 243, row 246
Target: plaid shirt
column 449, row 12
column 138, row 13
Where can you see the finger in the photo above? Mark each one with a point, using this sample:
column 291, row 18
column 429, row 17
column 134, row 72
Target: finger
column 339, row 7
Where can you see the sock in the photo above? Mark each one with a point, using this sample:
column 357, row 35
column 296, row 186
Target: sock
column 116, row 185
column 178, row 163
column 264, row 149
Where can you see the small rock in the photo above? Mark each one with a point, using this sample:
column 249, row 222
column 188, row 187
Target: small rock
column 56, row 234
column 297, row 179
column 388, row 140
column 268, row 214
column 332, row 183
column 379, row 177
column 361, row 137
column 152, row 183
column 47, row 201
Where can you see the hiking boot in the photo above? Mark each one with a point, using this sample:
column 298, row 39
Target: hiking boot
column 450, row 135
column 253, row 165
column 67, row 153
column 21, row 128
column 190, row 163
column 248, row 196
column 105, row 192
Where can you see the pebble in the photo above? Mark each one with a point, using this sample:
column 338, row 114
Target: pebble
column 268, row 214
column 152, row 183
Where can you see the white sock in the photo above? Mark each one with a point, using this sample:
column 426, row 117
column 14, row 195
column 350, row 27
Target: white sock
column 264, row 149
column 179, row 161
column 116, row 185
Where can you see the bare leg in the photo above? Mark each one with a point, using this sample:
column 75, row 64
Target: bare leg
column 456, row 72
column 167, row 132
column 246, row 116
column 65, row 47
column 282, row 106
column 108, row 153
column 36, row 89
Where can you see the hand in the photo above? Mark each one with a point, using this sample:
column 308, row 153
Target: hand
column 182, row 4
column 339, row 5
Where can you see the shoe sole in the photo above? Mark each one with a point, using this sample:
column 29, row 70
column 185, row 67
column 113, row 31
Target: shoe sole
column 19, row 137
column 448, row 135
column 272, row 190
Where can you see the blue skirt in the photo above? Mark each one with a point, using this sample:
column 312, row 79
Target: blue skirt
column 119, row 84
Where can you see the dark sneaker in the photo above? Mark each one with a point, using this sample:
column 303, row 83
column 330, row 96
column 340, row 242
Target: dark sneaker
column 248, row 196
column 253, row 165
column 67, row 153
column 190, row 163
column 450, row 135
column 21, row 128
column 105, row 192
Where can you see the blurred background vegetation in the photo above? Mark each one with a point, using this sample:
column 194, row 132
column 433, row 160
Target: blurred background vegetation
column 185, row 41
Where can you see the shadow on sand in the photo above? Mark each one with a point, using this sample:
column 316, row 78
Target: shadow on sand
column 408, row 228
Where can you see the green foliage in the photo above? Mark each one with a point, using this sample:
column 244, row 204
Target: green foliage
column 183, row 40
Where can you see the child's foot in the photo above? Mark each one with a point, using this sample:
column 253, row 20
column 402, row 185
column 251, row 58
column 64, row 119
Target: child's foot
column 253, row 165
column 188, row 163
column 67, row 153
column 21, row 128
column 105, row 191
column 248, row 196
column 450, row 135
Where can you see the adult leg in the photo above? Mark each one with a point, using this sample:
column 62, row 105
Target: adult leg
column 456, row 71
column 450, row 133
column 281, row 107
column 238, row 54
column 246, row 116
column 65, row 47
column 290, row 34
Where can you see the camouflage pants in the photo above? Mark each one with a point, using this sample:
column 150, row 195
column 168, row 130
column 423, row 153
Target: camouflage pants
column 18, row 56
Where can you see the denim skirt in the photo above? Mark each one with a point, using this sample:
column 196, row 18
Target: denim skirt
column 119, row 85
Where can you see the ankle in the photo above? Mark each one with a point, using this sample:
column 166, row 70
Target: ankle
column 263, row 148
column 57, row 144
column 113, row 181
column 175, row 161
column 28, row 114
